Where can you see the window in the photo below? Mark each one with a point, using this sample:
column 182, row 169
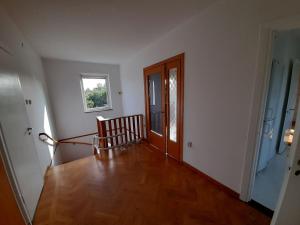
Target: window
column 95, row 92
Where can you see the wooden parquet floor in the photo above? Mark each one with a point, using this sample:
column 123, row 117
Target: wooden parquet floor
column 136, row 187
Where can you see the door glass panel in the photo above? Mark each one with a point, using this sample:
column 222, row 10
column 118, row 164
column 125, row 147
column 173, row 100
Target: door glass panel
column 173, row 104
column 155, row 103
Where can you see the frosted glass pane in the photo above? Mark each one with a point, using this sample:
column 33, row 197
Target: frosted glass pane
column 173, row 104
column 155, row 103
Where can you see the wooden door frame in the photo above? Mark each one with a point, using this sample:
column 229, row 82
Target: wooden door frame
column 179, row 57
column 4, row 157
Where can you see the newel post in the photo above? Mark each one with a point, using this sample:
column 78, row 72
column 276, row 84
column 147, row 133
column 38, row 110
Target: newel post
column 101, row 124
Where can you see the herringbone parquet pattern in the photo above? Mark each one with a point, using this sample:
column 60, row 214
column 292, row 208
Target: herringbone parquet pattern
column 136, row 187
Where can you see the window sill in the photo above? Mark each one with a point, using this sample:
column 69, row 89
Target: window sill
column 98, row 109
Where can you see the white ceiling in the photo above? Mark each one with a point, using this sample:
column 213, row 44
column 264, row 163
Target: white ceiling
column 106, row 31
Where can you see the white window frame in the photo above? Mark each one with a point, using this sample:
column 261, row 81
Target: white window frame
column 96, row 76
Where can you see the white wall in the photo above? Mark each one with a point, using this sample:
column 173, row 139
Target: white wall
column 221, row 47
column 63, row 80
column 33, row 84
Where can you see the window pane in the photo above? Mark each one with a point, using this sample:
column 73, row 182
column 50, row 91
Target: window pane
column 95, row 92
column 173, row 103
column 155, row 103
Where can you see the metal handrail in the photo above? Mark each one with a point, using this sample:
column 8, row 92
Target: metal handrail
column 64, row 141
column 48, row 137
column 98, row 148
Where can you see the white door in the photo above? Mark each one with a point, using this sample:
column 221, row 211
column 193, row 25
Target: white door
column 18, row 141
column 291, row 104
column 288, row 208
column 272, row 116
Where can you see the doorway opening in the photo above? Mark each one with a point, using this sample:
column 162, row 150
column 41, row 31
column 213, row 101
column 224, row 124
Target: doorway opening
column 163, row 83
column 278, row 120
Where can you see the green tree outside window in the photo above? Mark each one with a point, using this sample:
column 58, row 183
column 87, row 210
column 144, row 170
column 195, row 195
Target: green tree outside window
column 96, row 97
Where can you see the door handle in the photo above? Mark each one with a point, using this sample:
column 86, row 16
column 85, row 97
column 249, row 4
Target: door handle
column 288, row 136
column 28, row 131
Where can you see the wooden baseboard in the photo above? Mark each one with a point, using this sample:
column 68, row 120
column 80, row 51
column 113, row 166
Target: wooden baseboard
column 210, row 179
column 195, row 170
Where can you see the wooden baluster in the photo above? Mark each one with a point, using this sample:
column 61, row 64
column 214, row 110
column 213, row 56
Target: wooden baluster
column 116, row 131
column 125, row 129
column 110, row 133
column 142, row 126
column 107, row 132
column 138, row 126
column 134, row 128
column 121, row 130
column 157, row 120
column 102, row 133
column 129, row 128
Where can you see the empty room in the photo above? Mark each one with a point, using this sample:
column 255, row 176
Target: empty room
column 177, row 112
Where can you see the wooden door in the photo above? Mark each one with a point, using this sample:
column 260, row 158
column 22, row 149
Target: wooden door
column 174, row 107
column 154, row 78
column 9, row 211
column 164, row 82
